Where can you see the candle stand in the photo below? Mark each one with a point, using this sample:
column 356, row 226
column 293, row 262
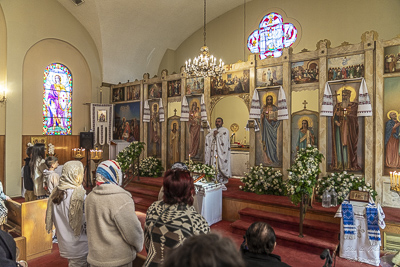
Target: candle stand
column 96, row 155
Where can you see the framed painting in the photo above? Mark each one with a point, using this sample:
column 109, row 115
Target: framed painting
column 194, row 138
column 361, row 196
column 174, row 140
column 269, row 76
column 155, row 90
column 348, row 67
column 392, row 59
column 305, row 72
column 154, row 131
column 174, row 88
column 133, row 92
column 118, row 94
column 230, row 83
column 195, row 86
column 269, row 137
column 102, row 115
column 39, row 140
column 127, row 121
column 391, row 113
column 345, row 131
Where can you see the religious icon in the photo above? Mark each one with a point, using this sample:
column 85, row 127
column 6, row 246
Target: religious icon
column 194, row 127
column 118, row 94
column 194, row 86
column 102, row 115
column 174, row 88
column 269, row 138
column 392, row 59
column 345, row 129
column 392, row 157
column 269, row 76
column 174, row 142
column 154, row 138
column 305, row 72
column 230, row 83
column 155, row 90
column 127, row 121
column 133, row 92
column 348, row 67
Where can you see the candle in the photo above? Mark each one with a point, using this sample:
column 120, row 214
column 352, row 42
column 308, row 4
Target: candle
column 391, row 179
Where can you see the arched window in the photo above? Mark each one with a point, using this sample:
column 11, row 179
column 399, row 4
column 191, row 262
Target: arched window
column 57, row 100
column 271, row 36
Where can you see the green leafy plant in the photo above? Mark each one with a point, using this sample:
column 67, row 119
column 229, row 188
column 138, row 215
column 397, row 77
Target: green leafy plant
column 303, row 173
column 150, row 167
column 129, row 154
column 342, row 183
column 263, row 180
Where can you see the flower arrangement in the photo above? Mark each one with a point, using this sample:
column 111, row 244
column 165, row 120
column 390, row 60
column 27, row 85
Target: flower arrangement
column 303, row 173
column 150, row 167
column 201, row 168
column 342, row 183
column 129, row 154
column 263, row 180
column 51, row 149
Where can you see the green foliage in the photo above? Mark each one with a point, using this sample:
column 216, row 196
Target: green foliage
column 303, row 173
column 150, row 167
column 343, row 183
column 130, row 153
column 263, row 180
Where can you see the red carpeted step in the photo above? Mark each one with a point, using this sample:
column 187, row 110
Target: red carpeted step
column 142, row 203
column 158, row 181
column 311, row 227
column 291, row 238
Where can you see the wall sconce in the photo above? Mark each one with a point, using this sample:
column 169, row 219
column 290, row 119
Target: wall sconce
column 2, row 94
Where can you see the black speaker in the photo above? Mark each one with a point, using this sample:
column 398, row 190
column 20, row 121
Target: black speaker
column 87, row 140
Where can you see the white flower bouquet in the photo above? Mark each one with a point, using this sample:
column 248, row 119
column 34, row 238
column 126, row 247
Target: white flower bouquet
column 150, row 167
column 263, row 180
column 129, row 154
column 303, row 173
column 201, row 168
column 343, row 183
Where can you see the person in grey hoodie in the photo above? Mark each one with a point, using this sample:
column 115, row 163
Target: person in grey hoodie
column 114, row 231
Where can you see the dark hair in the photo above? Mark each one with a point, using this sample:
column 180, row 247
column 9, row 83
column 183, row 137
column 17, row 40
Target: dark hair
column 222, row 120
column 58, row 196
column 304, row 121
column 260, row 238
column 178, row 187
column 38, row 152
column 205, row 250
column 29, row 151
column 50, row 161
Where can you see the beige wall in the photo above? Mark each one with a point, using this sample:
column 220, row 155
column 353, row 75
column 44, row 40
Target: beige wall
column 337, row 21
column 37, row 59
column 31, row 27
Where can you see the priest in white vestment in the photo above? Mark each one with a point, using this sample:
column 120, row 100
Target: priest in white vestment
column 218, row 147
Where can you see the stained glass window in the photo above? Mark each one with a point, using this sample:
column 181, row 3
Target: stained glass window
column 57, row 96
column 271, row 36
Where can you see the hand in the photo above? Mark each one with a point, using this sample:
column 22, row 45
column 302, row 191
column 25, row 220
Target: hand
column 215, row 133
column 8, row 198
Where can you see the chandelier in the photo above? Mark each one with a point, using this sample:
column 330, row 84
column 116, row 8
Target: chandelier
column 204, row 64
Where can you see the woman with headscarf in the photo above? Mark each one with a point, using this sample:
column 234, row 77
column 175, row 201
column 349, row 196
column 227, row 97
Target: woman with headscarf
column 65, row 208
column 114, row 231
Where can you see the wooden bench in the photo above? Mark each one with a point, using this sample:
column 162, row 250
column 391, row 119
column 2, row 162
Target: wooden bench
column 27, row 220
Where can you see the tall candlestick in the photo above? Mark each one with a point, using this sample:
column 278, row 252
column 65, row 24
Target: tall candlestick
column 391, row 180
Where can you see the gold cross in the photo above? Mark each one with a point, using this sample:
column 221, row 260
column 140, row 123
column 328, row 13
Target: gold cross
column 175, row 112
column 305, row 104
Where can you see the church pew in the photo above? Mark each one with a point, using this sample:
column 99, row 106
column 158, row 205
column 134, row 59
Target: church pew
column 27, row 220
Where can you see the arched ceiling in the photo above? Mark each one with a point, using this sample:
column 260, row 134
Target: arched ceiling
column 133, row 35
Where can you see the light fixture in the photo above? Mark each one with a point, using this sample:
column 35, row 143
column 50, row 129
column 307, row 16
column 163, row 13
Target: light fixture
column 2, row 94
column 204, row 64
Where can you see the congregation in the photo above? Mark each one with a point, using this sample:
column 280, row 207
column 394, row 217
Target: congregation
column 102, row 228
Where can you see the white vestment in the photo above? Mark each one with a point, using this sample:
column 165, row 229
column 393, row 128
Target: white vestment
column 219, row 145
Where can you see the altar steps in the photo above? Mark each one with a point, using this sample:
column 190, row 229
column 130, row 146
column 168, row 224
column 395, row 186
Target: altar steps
column 144, row 191
column 317, row 235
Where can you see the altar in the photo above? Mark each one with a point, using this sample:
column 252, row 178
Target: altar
column 208, row 201
column 239, row 161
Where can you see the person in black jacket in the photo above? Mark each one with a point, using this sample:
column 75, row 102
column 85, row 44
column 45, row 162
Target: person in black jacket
column 260, row 241
column 28, row 182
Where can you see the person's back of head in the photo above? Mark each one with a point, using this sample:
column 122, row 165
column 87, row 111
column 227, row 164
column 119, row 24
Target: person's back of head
column 178, row 187
column 260, row 238
column 38, row 152
column 50, row 161
column 206, row 250
column 29, row 151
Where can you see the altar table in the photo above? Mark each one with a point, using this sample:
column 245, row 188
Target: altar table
column 209, row 201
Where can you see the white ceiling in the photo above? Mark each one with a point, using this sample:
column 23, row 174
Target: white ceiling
column 133, row 35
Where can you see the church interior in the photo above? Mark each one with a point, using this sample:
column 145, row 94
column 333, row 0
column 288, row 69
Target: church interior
column 312, row 78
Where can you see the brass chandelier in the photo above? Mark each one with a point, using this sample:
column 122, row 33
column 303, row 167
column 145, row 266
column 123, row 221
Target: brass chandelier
column 204, row 65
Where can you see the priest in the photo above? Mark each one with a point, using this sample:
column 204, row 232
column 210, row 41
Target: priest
column 218, row 149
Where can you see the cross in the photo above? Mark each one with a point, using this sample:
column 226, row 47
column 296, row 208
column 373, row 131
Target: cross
column 175, row 112
column 305, row 104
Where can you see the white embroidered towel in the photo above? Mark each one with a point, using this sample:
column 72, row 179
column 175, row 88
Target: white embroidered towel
column 146, row 111
column 327, row 102
column 282, row 105
column 203, row 109
column 364, row 103
column 161, row 112
column 255, row 109
column 185, row 110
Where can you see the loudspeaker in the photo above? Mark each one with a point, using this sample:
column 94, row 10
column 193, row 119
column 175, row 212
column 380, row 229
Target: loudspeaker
column 87, row 140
